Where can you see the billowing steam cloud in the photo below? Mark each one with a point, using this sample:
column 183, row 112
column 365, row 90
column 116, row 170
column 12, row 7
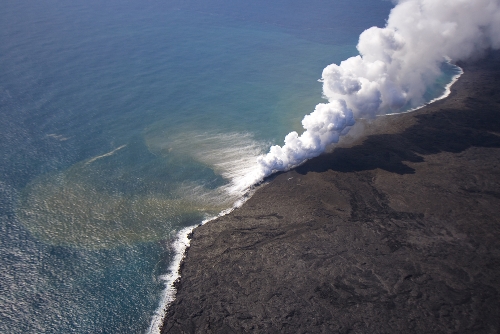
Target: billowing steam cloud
column 395, row 66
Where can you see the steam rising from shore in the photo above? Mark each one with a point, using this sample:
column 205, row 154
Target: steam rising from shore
column 395, row 66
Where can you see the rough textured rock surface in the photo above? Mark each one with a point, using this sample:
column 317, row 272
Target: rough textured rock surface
column 396, row 231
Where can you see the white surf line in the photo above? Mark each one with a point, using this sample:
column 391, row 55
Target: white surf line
column 447, row 92
column 168, row 295
column 104, row 155
column 182, row 241
column 180, row 245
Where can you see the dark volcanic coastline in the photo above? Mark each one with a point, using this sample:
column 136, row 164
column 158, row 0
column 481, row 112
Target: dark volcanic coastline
column 397, row 230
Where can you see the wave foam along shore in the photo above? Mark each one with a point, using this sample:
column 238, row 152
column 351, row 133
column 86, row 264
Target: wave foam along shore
column 179, row 246
column 446, row 93
column 395, row 65
column 396, row 232
column 231, row 155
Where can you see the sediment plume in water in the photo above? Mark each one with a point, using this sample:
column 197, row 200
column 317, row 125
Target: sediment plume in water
column 391, row 74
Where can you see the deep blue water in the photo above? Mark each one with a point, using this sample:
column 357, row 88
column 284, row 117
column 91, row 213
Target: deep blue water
column 116, row 116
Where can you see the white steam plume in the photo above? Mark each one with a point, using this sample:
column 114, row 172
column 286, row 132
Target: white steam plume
column 395, row 66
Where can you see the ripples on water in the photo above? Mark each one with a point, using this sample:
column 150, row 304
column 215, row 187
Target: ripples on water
column 124, row 122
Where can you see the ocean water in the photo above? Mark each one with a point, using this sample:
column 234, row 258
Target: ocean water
column 123, row 122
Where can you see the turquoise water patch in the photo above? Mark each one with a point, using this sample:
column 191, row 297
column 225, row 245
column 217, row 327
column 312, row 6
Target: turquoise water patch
column 123, row 122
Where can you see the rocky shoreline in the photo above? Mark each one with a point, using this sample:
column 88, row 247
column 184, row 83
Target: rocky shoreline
column 394, row 230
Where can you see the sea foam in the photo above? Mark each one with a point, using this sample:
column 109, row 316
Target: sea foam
column 395, row 66
column 179, row 247
column 234, row 157
column 446, row 93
